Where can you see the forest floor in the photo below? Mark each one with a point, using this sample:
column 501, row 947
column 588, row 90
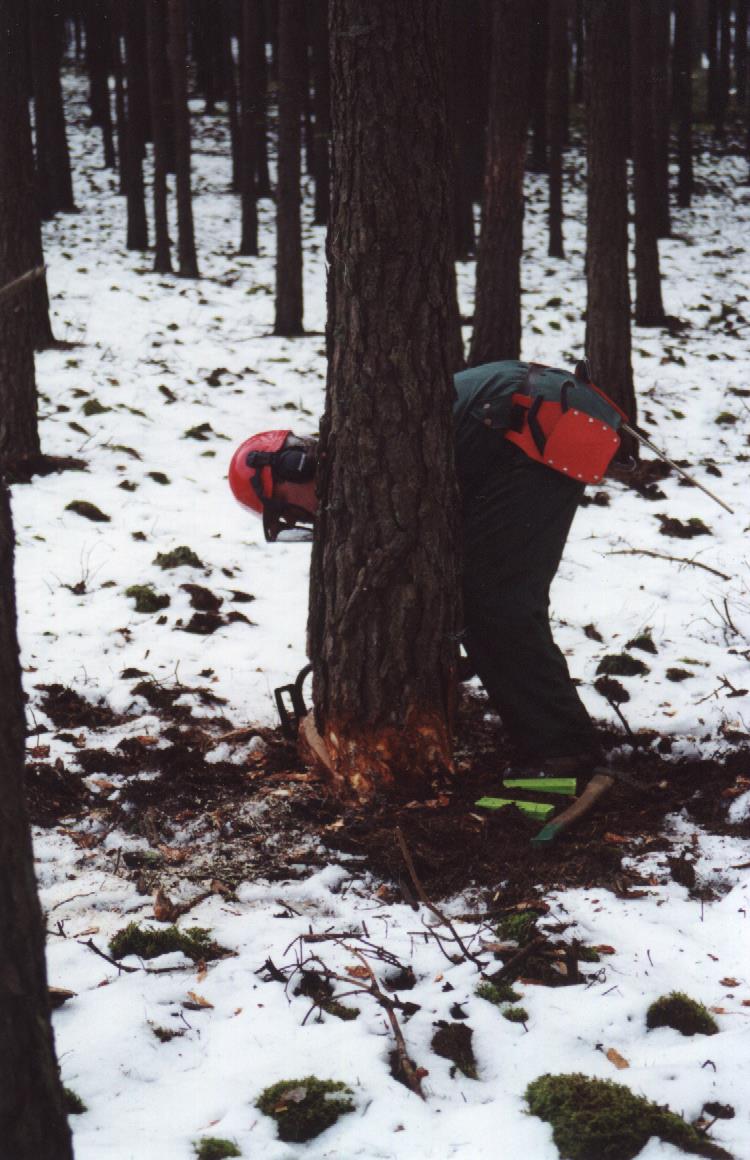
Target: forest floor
column 163, row 790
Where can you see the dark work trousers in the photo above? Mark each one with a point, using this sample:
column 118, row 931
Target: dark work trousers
column 516, row 521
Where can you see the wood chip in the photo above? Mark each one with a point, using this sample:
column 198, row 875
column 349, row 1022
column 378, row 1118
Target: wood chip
column 196, row 1002
column 729, row 982
column 618, row 1060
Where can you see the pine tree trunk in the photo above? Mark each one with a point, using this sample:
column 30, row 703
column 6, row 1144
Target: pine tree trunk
column 608, row 291
column 289, row 304
column 713, row 101
column 33, row 1123
column 740, row 53
column 98, row 46
column 539, row 12
column 497, row 313
column 177, row 51
column 322, row 107
column 556, row 92
column 384, row 578
column 661, row 104
column 19, row 432
column 725, row 57
column 158, row 76
column 52, row 157
column 580, row 47
column 262, row 175
column 249, row 102
column 460, row 92
column 649, row 310
column 683, row 93
column 230, row 84
column 120, row 116
column 135, row 62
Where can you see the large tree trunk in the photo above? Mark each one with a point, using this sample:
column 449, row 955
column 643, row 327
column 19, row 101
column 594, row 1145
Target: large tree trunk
column 52, row 157
column 230, row 83
column 557, row 76
column 539, row 11
column 317, row 15
column 649, row 310
column 19, row 432
column 497, row 313
column 608, row 302
column 177, row 50
column 289, row 305
column 385, row 577
column 461, row 95
column 250, row 99
column 683, row 98
column 135, row 63
column 158, row 76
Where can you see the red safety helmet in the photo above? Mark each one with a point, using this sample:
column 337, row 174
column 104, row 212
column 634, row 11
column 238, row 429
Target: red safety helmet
column 258, row 464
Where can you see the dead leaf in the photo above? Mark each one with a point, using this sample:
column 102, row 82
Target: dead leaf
column 39, row 751
column 146, row 739
column 202, row 971
column 80, row 741
column 729, row 982
column 104, row 785
column 718, row 1010
column 618, row 1060
column 218, row 887
column 196, row 1002
column 605, row 950
column 58, row 996
column 88, row 930
column 358, row 972
column 614, row 838
column 175, row 855
column 164, row 909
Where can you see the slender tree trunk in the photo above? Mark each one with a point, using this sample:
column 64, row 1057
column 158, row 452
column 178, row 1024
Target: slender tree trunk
column 158, row 76
column 318, row 17
column 683, row 90
column 250, row 96
column 580, row 44
column 137, row 233
column 539, row 12
column 608, row 291
column 556, row 92
column 661, row 16
column 289, row 304
column 52, row 156
column 98, row 43
column 33, row 1123
column 120, row 116
column 19, row 432
column 649, row 310
column 385, row 577
column 177, row 51
column 713, row 100
column 230, row 84
column 262, row 175
column 497, row 313
column 725, row 57
column 740, row 53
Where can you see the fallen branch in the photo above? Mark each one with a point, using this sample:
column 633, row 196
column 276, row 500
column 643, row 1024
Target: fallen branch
column 410, row 1073
column 508, row 968
column 672, row 559
column 120, row 966
column 421, row 895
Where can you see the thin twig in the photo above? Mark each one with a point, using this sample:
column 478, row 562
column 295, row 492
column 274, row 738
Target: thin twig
column 120, row 966
column 428, row 903
column 11, row 287
column 672, row 559
column 409, row 1072
column 509, row 967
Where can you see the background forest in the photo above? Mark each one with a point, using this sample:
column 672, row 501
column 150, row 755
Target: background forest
column 185, row 187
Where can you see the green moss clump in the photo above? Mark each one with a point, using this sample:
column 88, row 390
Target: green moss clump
column 520, row 928
column 497, row 993
column 89, row 511
column 94, row 407
column 214, row 1148
column 726, row 419
column 453, row 1041
column 595, row 1119
column 303, row 1108
column 159, row 477
column 74, row 1105
column 684, row 1014
column 621, row 665
column 677, row 675
column 147, row 599
column 516, row 1014
column 588, row 955
column 196, row 943
column 178, row 558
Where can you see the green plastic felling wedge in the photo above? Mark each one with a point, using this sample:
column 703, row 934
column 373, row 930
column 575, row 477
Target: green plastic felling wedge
column 561, row 785
column 537, row 810
column 546, row 835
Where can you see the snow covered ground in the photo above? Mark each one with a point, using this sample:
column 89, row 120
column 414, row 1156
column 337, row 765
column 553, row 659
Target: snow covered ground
column 165, row 378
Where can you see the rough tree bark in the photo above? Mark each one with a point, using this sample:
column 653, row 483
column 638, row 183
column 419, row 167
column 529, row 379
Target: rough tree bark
column 557, row 77
column 539, row 54
column 461, row 94
column 98, row 59
column 608, row 292
column 683, row 99
column 317, row 16
column 19, row 432
column 137, row 228
column 661, row 16
column 497, row 313
column 384, row 579
column 158, row 77
column 740, row 53
column 230, row 82
column 177, row 52
column 33, row 1123
column 649, row 310
column 52, row 156
column 289, row 304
